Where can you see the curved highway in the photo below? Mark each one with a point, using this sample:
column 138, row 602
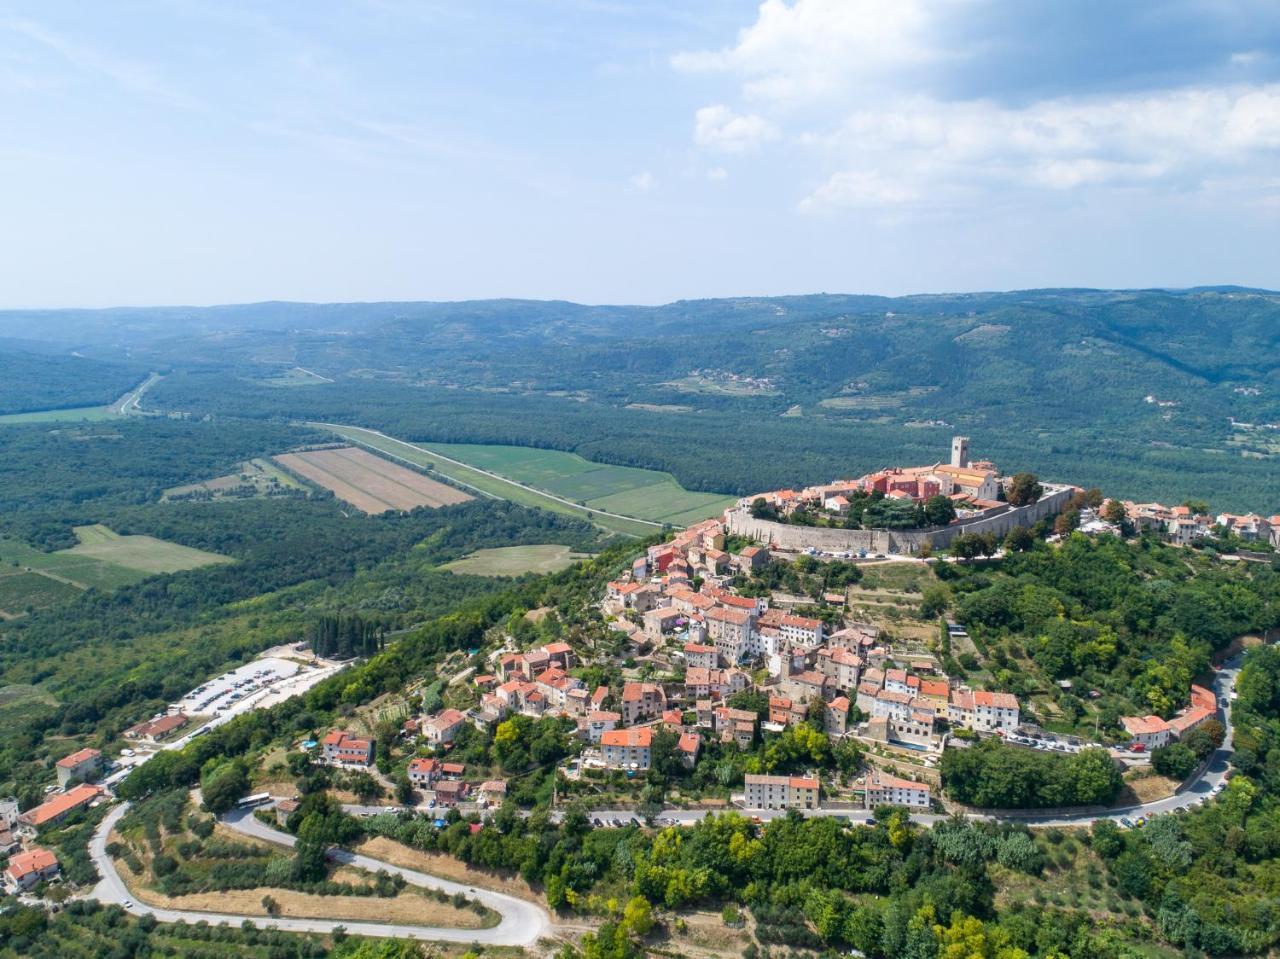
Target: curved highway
column 522, row 923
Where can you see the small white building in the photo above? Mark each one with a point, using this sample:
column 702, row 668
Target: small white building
column 781, row 792
column 1151, row 731
column 884, row 789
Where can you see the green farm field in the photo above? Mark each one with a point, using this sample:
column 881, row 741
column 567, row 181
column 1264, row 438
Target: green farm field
column 103, row 559
column 77, row 415
column 515, row 560
column 78, row 570
column 644, row 494
column 473, row 479
column 145, row 554
column 20, row 590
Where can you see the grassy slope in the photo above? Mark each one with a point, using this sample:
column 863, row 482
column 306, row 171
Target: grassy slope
column 143, row 553
column 514, row 560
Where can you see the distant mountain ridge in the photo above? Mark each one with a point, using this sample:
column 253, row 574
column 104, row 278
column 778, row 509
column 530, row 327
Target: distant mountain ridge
column 1156, row 390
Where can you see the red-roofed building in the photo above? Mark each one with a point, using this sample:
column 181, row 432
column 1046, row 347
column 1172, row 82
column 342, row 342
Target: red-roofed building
column 423, row 772
column 443, row 727
column 730, row 631
column 642, row 701
column 29, row 868
column 627, row 748
column 154, row 730
column 53, row 811
column 688, row 747
column 345, row 749
column 83, row 765
column 1151, row 731
column 449, row 793
column 835, row 719
column 1188, row 720
column 780, row 792
column 699, row 656
column 1204, row 698
column 884, row 789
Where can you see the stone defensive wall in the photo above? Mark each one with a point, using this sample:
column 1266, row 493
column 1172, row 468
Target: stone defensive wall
column 798, row 538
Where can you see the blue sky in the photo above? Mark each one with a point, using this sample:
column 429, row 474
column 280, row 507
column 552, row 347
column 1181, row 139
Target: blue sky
column 195, row 151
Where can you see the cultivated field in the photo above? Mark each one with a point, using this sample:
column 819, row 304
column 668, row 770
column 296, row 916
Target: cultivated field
column 369, row 483
column 644, row 494
column 20, row 590
column 257, row 477
column 515, row 560
column 145, row 554
column 103, row 560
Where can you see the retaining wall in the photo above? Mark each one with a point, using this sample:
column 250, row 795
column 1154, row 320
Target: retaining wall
column 797, row 538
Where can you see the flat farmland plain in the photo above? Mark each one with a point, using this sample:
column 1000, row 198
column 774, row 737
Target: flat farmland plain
column 369, row 483
column 631, row 491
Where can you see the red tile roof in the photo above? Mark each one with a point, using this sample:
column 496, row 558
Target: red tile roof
column 78, row 757
column 636, row 737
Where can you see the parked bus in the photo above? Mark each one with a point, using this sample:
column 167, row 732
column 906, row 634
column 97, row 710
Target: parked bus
column 257, row 799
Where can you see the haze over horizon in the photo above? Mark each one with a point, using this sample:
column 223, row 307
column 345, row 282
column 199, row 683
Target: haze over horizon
column 599, row 152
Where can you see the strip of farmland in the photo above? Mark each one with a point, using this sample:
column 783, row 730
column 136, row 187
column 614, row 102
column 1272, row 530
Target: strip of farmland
column 369, row 483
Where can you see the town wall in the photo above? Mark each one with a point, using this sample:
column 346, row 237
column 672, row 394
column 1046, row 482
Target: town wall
column 798, row 538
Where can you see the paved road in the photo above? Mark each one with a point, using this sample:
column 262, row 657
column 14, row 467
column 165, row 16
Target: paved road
column 1196, row 791
column 131, row 402
column 522, row 923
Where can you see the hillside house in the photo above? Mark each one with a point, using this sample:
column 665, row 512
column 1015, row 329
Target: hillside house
column 341, row 748
column 884, row 789
column 781, row 792
column 627, row 748
column 84, row 765
column 28, row 869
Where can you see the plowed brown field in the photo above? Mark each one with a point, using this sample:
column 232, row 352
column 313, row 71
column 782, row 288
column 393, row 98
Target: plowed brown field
column 369, row 483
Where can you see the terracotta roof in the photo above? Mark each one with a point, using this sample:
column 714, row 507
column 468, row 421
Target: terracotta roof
column 636, row 737
column 739, row 617
column 78, row 757
column 1139, row 725
column 886, row 781
column 995, row 700
column 60, row 805
column 32, row 861
column 1189, row 719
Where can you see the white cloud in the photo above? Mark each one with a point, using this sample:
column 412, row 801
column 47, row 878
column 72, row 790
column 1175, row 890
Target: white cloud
column 811, row 48
column 641, row 182
column 858, row 188
column 849, row 78
column 717, row 173
column 718, row 127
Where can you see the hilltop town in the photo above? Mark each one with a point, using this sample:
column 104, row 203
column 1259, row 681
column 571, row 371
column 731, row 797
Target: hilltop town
column 717, row 653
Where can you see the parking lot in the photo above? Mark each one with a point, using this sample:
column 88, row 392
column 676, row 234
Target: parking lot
column 227, row 690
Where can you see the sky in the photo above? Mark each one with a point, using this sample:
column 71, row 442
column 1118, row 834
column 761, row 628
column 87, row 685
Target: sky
column 605, row 151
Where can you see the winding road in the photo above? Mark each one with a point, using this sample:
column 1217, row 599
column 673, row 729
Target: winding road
column 522, row 923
